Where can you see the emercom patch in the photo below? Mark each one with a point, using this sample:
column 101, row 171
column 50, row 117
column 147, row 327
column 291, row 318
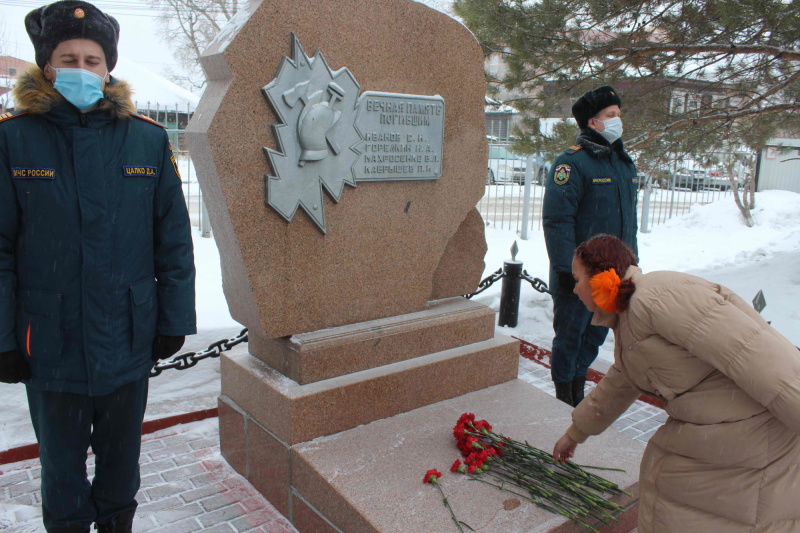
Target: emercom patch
column 561, row 175
column 601, row 180
column 33, row 173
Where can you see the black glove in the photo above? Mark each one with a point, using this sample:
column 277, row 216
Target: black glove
column 166, row 346
column 565, row 281
column 13, row 367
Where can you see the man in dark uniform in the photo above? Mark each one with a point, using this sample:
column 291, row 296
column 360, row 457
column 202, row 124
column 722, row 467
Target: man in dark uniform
column 591, row 189
column 96, row 264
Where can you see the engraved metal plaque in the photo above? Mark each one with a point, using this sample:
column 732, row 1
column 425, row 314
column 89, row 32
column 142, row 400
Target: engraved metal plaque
column 403, row 137
column 330, row 135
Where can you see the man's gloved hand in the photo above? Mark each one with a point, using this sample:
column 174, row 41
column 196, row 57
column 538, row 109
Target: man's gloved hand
column 565, row 281
column 166, row 346
column 13, row 367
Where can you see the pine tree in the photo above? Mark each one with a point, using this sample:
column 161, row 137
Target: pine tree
column 738, row 59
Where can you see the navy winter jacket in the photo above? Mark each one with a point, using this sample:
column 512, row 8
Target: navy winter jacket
column 95, row 243
column 591, row 189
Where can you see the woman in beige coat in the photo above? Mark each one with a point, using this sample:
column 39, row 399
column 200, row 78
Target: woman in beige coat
column 728, row 458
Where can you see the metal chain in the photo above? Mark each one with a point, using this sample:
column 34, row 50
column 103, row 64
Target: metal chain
column 189, row 359
column 536, row 283
column 487, row 282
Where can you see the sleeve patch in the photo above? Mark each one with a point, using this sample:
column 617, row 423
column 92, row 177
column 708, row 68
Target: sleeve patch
column 561, row 174
column 175, row 166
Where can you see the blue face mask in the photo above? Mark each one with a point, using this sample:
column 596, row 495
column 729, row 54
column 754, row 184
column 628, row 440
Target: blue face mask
column 80, row 87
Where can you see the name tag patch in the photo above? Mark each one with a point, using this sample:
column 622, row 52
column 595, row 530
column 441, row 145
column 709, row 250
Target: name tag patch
column 147, row 172
column 601, row 180
column 33, row 173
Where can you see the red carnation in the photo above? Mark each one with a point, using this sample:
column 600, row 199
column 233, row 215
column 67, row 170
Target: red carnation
column 432, row 476
column 455, row 466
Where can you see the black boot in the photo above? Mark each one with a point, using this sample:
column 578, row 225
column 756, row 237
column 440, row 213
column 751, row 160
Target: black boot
column 564, row 392
column 577, row 390
column 122, row 523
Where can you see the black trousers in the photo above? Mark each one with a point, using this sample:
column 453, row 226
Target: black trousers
column 66, row 425
column 577, row 341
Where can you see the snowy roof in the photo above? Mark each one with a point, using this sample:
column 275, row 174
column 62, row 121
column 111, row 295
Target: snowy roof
column 150, row 88
column 496, row 106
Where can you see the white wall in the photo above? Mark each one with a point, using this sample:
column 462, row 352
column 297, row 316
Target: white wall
column 780, row 165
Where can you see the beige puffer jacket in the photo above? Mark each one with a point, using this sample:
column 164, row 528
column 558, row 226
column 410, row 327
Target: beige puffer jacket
column 728, row 458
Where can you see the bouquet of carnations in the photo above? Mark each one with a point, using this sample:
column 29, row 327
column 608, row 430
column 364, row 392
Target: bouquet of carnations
column 517, row 467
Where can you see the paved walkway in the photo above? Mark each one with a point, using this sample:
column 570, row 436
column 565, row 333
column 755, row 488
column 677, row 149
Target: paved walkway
column 187, row 485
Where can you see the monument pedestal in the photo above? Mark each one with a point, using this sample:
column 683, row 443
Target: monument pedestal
column 368, row 479
column 342, row 445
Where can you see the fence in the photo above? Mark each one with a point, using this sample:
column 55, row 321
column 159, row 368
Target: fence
column 191, row 188
column 504, row 201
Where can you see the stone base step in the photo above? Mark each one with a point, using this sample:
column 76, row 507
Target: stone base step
column 368, row 479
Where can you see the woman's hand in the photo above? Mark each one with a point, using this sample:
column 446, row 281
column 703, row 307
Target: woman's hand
column 564, row 449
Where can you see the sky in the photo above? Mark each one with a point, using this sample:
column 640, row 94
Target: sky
column 139, row 30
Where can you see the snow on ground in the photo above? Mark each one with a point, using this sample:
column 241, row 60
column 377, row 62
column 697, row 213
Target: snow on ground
column 710, row 241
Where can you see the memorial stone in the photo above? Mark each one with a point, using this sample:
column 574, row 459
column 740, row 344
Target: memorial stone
column 341, row 150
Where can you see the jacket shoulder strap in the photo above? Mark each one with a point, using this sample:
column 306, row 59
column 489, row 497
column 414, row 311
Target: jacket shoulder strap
column 147, row 119
column 9, row 115
column 574, row 148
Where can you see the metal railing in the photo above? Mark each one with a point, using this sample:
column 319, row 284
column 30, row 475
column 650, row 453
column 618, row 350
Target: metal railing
column 192, row 192
column 509, row 201
column 504, row 204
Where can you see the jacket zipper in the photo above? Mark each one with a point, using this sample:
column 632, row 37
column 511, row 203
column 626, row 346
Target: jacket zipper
column 83, row 120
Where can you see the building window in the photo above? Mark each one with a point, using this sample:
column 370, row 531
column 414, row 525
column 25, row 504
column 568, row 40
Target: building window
column 12, row 71
column 677, row 104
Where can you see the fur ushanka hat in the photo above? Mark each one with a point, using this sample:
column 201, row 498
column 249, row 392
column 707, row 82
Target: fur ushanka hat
column 52, row 24
column 592, row 102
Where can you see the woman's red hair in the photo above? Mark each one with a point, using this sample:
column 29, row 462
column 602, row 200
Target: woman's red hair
column 603, row 252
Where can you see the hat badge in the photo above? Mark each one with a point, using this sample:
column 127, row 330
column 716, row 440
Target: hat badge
column 79, row 13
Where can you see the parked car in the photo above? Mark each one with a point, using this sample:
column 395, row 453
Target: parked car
column 506, row 166
column 690, row 179
column 719, row 181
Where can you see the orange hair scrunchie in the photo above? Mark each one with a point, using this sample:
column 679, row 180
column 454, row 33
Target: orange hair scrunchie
column 605, row 287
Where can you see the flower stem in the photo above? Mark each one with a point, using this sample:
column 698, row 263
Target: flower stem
column 456, row 521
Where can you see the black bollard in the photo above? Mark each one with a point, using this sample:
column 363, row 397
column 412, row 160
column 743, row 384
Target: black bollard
column 509, row 295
